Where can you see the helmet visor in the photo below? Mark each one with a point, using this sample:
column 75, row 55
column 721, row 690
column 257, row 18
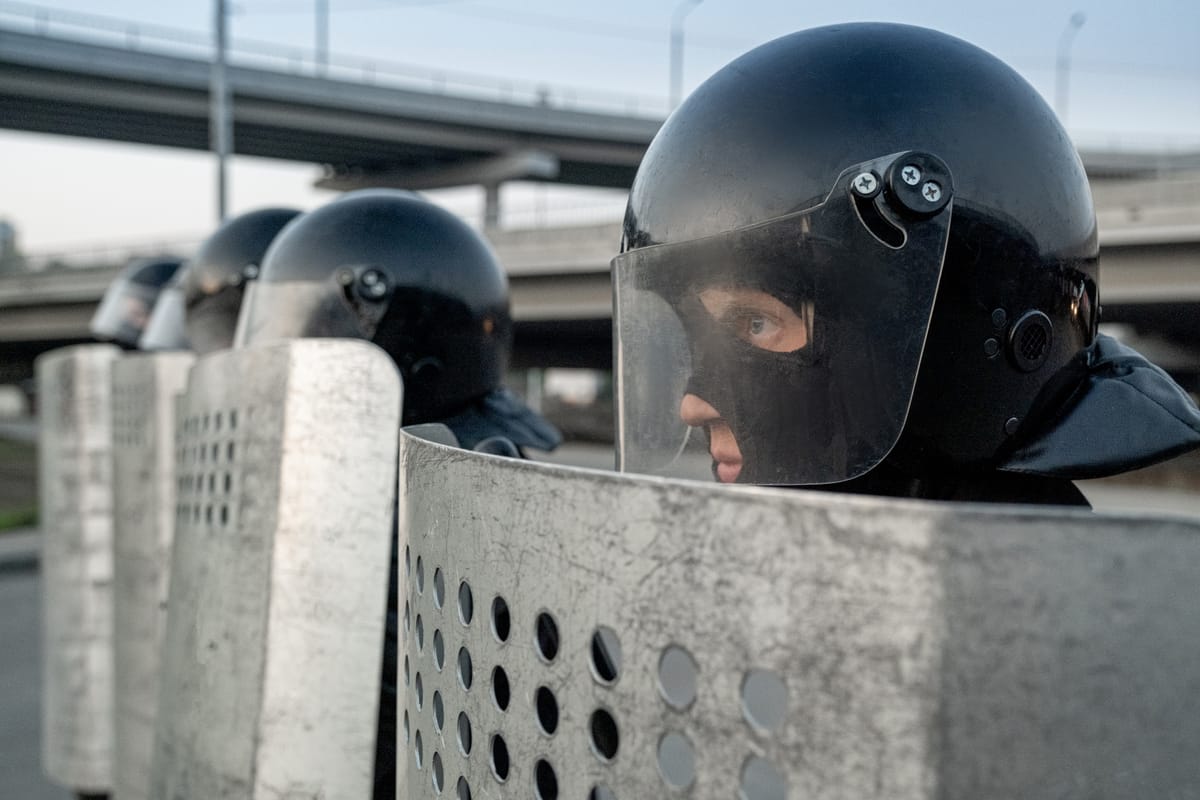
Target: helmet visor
column 165, row 330
column 123, row 313
column 273, row 310
column 785, row 352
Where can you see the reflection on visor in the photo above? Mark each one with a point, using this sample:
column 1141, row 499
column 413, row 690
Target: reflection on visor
column 274, row 310
column 123, row 313
column 784, row 352
column 165, row 330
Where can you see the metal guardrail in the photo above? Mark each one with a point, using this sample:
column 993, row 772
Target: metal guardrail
column 142, row 37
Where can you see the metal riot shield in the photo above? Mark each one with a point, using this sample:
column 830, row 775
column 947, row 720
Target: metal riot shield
column 145, row 389
column 75, row 493
column 285, row 463
column 576, row 634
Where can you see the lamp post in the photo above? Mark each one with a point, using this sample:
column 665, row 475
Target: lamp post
column 1063, row 64
column 677, row 17
column 220, row 119
column 322, row 37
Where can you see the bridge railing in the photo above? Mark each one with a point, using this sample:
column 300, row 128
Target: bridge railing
column 144, row 37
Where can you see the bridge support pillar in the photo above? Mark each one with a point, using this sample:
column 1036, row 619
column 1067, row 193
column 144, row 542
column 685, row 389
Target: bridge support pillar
column 491, row 205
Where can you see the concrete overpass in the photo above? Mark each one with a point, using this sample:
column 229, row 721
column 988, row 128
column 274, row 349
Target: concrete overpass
column 364, row 133
column 367, row 126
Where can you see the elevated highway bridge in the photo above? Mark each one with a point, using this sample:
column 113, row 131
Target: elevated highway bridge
column 70, row 75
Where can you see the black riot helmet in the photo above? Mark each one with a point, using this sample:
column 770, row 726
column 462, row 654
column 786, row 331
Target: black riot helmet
column 199, row 308
column 399, row 271
column 860, row 243
column 130, row 299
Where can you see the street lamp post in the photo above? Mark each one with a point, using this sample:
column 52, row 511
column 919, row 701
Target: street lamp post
column 1063, row 64
column 322, row 37
column 220, row 118
column 677, row 17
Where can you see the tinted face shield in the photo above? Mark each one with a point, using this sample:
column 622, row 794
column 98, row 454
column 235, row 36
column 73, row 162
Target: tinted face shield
column 165, row 330
column 347, row 305
column 124, row 312
column 785, row 352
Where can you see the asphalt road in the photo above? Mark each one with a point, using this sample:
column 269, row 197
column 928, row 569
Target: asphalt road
column 20, row 676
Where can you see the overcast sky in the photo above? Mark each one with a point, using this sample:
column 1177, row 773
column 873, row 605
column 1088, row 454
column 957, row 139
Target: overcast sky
column 1135, row 84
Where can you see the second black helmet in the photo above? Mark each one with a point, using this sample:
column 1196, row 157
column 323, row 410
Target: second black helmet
column 398, row 271
column 199, row 308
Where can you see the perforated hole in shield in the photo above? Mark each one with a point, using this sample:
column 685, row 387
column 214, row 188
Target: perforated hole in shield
column 764, row 700
column 601, row 792
column 676, row 760
column 439, row 588
column 464, row 734
column 500, row 688
column 499, row 760
column 761, row 781
column 677, row 676
column 546, row 637
column 501, row 622
column 606, row 656
column 604, row 735
column 464, row 789
column 546, row 706
column 439, row 712
column 466, row 603
column 439, row 651
column 437, row 774
column 465, row 670
column 545, row 781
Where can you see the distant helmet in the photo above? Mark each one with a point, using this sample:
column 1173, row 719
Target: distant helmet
column 396, row 270
column 199, row 309
column 130, row 299
column 856, row 243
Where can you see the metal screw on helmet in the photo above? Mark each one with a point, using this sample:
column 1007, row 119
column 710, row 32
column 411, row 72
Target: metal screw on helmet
column 374, row 284
column 865, row 184
column 918, row 185
column 1012, row 425
column 250, row 271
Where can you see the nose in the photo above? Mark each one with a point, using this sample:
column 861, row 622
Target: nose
column 695, row 411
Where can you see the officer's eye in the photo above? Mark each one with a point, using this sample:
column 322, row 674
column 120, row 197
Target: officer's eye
column 758, row 318
column 752, row 326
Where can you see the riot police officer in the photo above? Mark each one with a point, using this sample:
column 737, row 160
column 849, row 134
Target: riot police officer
column 198, row 310
column 130, row 299
column 864, row 257
column 409, row 276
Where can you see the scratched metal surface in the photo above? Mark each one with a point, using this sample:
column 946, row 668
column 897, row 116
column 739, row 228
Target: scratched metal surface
column 145, row 389
column 279, row 570
column 917, row 650
column 75, row 493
